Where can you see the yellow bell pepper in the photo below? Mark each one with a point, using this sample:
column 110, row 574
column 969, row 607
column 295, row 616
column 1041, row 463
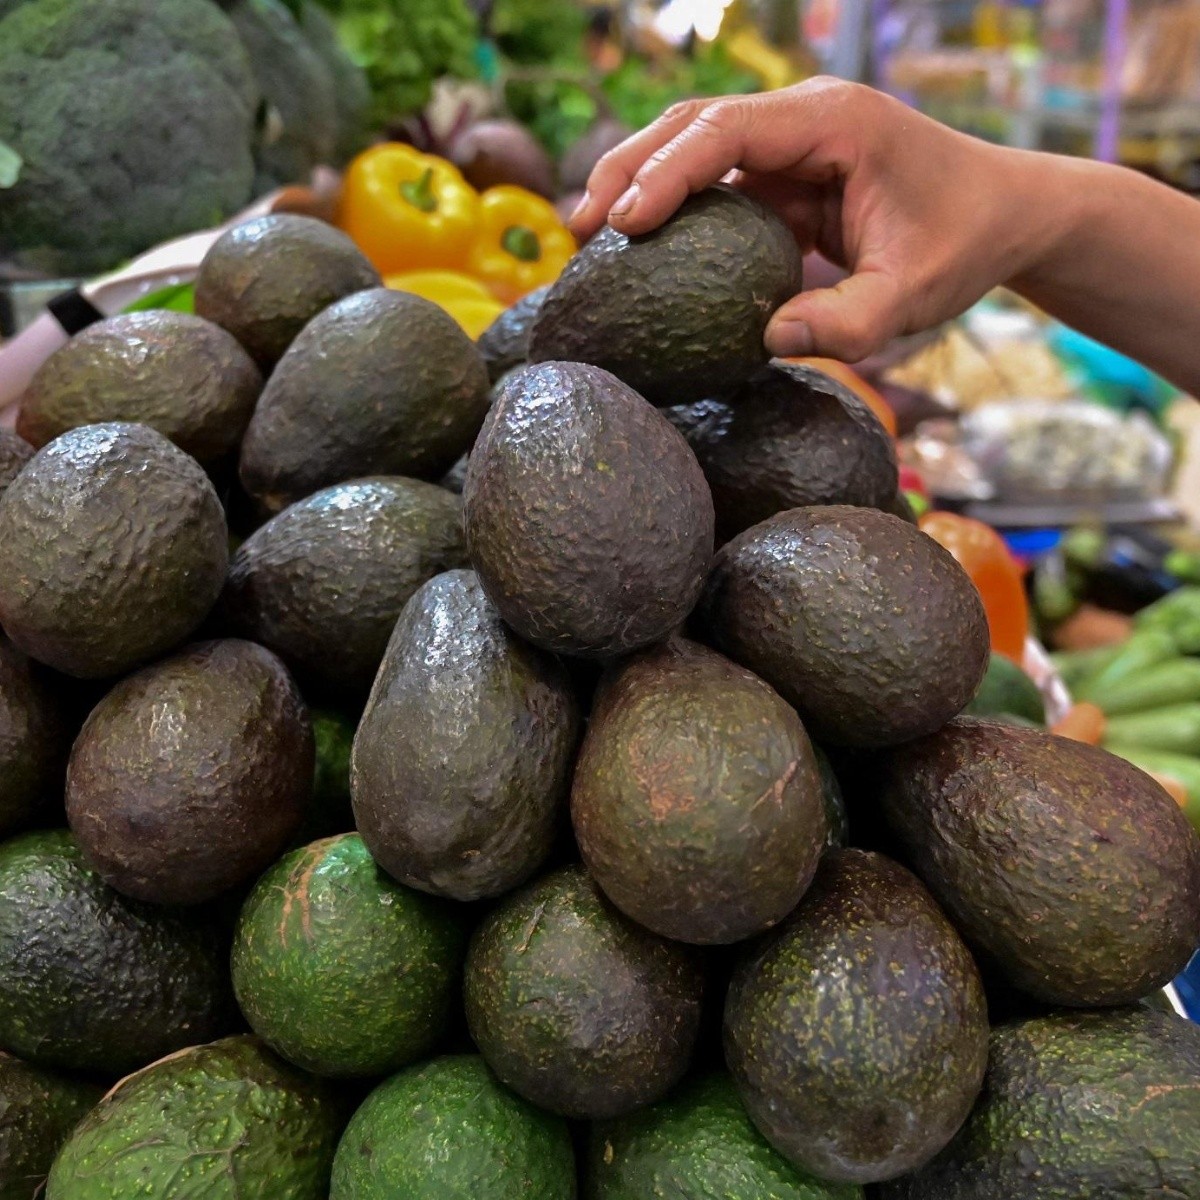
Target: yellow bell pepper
column 465, row 298
column 520, row 242
column 408, row 210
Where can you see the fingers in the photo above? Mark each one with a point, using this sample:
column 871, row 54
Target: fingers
column 850, row 321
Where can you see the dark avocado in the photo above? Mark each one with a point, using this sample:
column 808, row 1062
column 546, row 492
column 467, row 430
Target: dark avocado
column 1071, row 869
column 864, row 623
column 697, row 800
column 323, row 582
column 1077, row 1106
column 38, row 1110
column 790, row 436
column 177, row 373
column 504, row 344
column 679, row 313
column 455, row 478
column 857, row 1035
column 92, row 981
column 575, row 1007
column 587, row 517
column 380, row 383
column 221, row 1121
column 34, row 741
column 462, row 760
column 15, row 452
column 837, row 819
column 266, row 278
column 191, row 775
column 113, row 548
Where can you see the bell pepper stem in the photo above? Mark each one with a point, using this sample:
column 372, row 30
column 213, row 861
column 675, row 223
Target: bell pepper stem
column 419, row 192
column 521, row 242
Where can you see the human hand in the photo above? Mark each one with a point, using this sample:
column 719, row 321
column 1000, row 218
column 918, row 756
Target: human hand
column 926, row 220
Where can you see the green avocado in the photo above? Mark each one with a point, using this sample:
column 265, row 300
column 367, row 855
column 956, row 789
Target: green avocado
column 1068, row 867
column 91, row 981
column 264, row 279
column 380, row 383
column 323, row 582
column 504, row 344
column 15, row 452
column 697, row 800
column 34, row 741
column 861, row 621
column 329, row 811
column 191, row 775
column 221, row 1121
column 1007, row 691
column 446, row 1130
column 113, row 548
column 788, row 437
column 1077, row 1106
column 697, row 1144
column 587, row 516
column 679, row 313
column 575, row 1007
column 462, row 760
column 340, row 969
column 857, row 1035
column 38, row 1110
column 176, row 372
column 837, row 819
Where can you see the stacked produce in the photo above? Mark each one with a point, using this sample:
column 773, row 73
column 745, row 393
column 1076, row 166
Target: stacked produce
column 610, row 831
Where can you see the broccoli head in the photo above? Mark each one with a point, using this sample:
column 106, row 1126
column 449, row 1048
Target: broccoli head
column 133, row 121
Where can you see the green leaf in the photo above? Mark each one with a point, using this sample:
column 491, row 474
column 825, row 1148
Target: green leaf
column 10, row 165
column 179, row 297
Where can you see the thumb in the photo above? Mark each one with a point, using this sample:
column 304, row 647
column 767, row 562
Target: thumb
column 849, row 321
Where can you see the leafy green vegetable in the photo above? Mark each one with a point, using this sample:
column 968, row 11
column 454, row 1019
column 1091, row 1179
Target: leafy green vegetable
column 539, row 31
column 178, row 297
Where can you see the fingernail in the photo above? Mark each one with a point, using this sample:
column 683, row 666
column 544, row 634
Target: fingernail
column 789, row 338
column 580, row 208
column 626, row 201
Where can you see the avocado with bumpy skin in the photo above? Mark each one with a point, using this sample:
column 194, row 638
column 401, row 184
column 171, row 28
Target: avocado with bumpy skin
column 678, row 313
column 220, row 1121
column 857, row 1035
column 92, row 981
column 1070, row 869
column 445, row 1129
column 173, row 371
column 38, row 1110
column 462, row 760
column 191, row 775
column 861, row 621
column 1007, row 691
column 1077, row 1106
column 264, row 279
column 341, row 970
column 113, row 548
column 380, row 383
column 697, row 1144
column 323, row 582
column 575, row 1007
column 697, row 799
column 15, row 452
column 587, row 517
column 504, row 344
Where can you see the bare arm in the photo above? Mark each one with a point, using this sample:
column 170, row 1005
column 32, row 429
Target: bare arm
column 926, row 220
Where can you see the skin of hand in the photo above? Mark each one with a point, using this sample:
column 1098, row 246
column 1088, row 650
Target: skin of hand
column 926, row 220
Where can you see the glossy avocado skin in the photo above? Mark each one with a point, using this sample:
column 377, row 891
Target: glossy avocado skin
column 866, row 949
column 446, row 1128
column 323, row 582
column 575, row 1007
column 191, row 775
column 1068, row 867
column 176, row 372
column 92, row 981
column 221, row 1121
column 697, row 800
column 1077, row 1106
column 266, row 278
column 380, row 383
column 113, row 548
column 588, row 519
column 697, row 1144
column 504, row 344
column 15, row 452
column 678, row 313
column 462, row 760
column 861, row 621
column 38, row 1109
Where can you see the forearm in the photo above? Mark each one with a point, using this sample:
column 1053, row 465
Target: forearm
column 1116, row 256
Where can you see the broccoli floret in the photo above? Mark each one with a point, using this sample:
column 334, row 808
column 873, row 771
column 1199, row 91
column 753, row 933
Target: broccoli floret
column 135, row 123
column 349, row 80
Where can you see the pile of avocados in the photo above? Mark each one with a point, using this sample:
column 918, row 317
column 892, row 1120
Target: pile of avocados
column 611, row 830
